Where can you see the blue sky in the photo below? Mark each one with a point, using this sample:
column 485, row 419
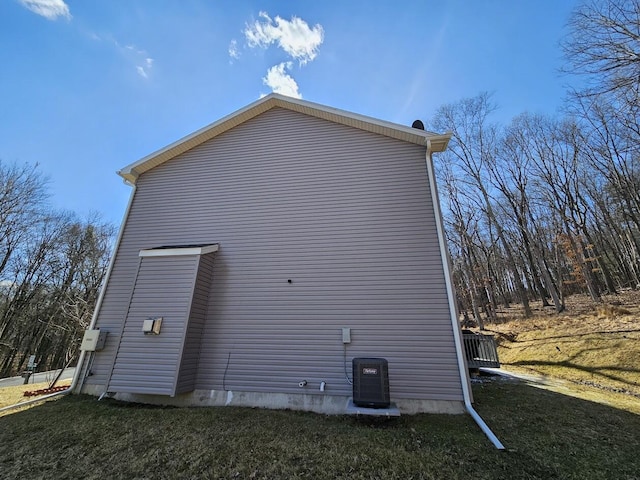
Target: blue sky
column 87, row 87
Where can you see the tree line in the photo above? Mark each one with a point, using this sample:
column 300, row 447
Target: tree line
column 51, row 266
column 547, row 206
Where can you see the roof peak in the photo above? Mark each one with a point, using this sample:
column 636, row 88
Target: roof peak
column 406, row 133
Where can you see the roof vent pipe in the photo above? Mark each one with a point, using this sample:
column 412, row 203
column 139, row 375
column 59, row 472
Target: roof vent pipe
column 418, row 125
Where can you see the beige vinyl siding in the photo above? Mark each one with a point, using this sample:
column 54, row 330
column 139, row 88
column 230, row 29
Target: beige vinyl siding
column 149, row 363
column 197, row 318
column 175, row 288
column 112, row 314
column 345, row 214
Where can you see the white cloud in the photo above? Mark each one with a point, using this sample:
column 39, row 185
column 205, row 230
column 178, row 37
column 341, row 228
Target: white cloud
column 134, row 56
column 233, row 49
column 281, row 82
column 50, row 9
column 294, row 36
column 144, row 69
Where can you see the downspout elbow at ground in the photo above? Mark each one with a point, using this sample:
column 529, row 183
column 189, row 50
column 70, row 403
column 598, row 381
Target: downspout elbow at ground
column 462, row 367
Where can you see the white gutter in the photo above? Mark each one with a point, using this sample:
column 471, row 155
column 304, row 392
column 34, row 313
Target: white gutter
column 462, row 367
column 77, row 381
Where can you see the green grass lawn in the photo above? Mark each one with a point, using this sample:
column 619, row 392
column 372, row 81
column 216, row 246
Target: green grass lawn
column 548, row 436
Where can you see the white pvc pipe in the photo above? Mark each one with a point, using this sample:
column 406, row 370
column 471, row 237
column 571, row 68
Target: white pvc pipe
column 462, row 367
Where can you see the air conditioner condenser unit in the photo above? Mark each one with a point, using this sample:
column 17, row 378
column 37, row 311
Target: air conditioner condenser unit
column 371, row 382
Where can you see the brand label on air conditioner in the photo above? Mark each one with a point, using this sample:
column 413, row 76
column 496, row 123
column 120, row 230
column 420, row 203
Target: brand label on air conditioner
column 369, row 371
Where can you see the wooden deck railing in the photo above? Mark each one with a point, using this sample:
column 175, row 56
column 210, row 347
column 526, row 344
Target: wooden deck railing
column 480, row 350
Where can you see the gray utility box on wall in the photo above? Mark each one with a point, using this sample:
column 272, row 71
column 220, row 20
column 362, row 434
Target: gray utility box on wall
column 93, row 340
column 371, row 382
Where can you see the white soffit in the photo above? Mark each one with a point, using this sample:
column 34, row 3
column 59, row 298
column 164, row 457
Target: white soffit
column 408, row 134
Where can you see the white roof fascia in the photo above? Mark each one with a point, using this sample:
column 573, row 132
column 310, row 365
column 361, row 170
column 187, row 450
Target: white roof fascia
column 439, row 142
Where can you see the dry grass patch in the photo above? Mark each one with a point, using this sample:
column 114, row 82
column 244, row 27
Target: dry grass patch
column 589, row 344
column 13, row 395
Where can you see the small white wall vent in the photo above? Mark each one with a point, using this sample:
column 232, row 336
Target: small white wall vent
column 151, row 326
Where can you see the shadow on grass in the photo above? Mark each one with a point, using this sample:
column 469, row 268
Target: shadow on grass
column 601, row 370
column 514, row 338
column 547, row 435
column 570, row 363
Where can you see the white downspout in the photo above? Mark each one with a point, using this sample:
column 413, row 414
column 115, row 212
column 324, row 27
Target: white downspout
column 462, row 367
column 77, row 381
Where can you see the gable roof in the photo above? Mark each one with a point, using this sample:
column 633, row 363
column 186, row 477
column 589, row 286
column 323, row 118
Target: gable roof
column 420, row 137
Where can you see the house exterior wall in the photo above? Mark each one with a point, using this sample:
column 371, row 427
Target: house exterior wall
column 346, row 215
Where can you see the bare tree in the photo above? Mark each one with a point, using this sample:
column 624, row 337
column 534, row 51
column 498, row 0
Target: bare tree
column 512, row 174
column 51, row 268
column 460, row 224
column 604, row 47
column 473, row 145
column 22, row 196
